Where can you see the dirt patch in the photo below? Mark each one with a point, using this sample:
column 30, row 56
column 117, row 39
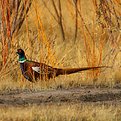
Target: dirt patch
column 80, row 95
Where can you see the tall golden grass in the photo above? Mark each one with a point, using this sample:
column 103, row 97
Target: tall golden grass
column 62, row 34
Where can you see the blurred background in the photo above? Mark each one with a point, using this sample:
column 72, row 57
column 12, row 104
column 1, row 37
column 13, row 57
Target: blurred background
column 62, row 34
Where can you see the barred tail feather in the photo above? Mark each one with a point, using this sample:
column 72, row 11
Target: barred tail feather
column 74, row 70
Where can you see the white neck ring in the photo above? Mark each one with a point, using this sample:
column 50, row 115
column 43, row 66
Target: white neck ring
column 22, row 61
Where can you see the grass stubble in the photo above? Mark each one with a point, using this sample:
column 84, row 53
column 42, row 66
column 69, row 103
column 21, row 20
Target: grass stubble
column 61, row 112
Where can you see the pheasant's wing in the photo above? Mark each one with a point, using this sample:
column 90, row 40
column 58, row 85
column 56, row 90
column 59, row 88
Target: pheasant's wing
column 36, row 69
column 42, row 68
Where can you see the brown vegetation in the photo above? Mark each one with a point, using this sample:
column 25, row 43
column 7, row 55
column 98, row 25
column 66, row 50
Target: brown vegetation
column 70, row 112
column 64, row 34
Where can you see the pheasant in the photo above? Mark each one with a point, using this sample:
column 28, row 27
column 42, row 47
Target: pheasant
column 32, row 70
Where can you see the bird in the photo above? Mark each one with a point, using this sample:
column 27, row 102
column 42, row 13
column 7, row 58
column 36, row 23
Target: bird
column 33, row 71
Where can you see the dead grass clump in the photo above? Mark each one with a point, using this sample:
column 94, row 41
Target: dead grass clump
column 54, row 112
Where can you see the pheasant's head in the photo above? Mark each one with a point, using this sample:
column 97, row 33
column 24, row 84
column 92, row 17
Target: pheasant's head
column 21, row 54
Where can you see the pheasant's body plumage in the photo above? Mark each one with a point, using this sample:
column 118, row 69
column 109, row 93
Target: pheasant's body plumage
column 33, row 70
column 30, row 72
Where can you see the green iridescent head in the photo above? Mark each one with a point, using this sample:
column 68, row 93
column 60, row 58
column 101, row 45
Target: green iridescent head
column 21, row 54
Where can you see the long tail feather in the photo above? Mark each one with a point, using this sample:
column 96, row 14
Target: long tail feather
column 74, row 70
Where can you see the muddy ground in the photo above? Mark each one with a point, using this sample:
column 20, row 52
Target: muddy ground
column 78, row 95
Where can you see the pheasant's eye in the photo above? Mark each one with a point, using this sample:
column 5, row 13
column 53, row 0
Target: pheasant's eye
column 19, row 51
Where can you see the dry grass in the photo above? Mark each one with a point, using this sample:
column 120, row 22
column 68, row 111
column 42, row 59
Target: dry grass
column 86, row 33
column 96, row 42
column 61, row 112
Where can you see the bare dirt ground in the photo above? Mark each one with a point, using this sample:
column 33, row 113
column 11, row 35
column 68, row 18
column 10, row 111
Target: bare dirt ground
column 78, row 95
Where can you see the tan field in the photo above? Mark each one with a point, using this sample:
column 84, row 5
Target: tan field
column 62, row 34
column 66, row 112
